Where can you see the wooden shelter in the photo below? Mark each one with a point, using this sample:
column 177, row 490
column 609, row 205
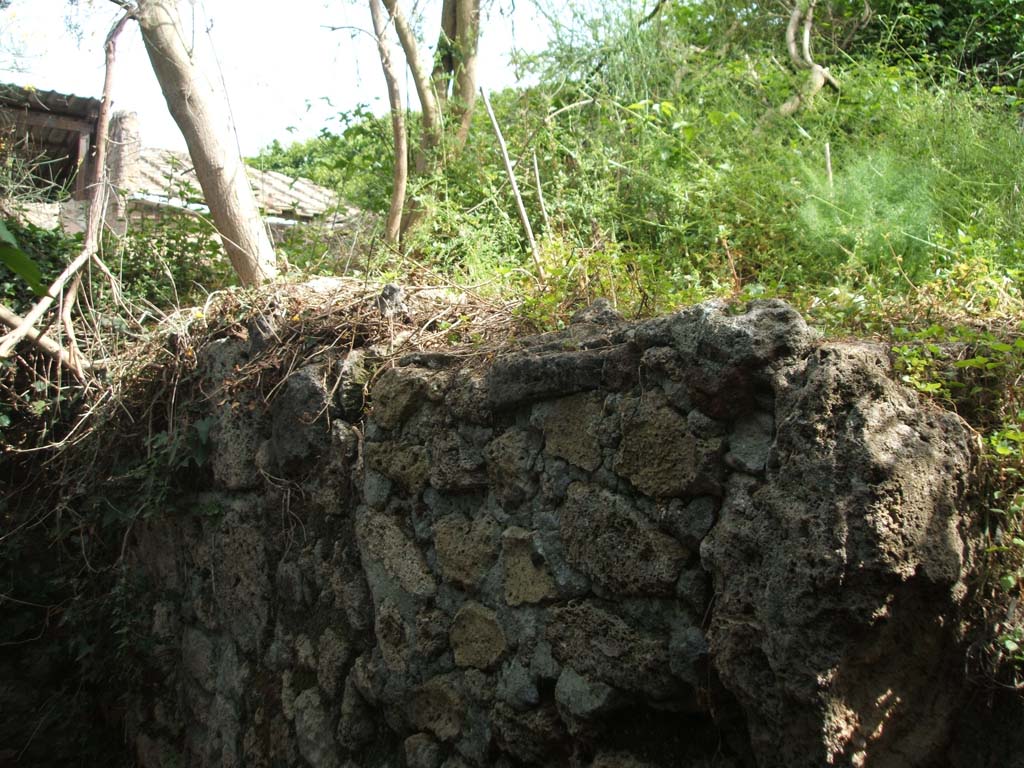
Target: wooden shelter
column 55, row 131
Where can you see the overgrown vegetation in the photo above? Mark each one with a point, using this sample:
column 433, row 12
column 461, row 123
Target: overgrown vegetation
column 665, row 175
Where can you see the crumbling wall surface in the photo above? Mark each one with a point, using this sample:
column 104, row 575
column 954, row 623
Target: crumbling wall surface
column 702, row 540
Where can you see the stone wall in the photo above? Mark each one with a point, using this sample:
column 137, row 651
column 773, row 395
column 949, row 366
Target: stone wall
column 702, row 540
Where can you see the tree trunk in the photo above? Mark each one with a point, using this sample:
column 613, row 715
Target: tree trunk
column 199, row 109
column 464, row 90
column 449, row 90
column 429, row 98
column 393, row 226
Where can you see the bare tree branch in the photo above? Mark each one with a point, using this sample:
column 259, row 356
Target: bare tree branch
column 802, row 59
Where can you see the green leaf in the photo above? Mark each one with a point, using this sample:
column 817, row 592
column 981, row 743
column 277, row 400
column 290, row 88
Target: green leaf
column 972, row 362
column 20, row 264
column 6, row 236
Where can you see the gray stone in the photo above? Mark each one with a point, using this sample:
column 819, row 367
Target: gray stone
column 571, row 426
column 397, row 394
column 534, row 736
column 240, row 584
column 477, row 638
column 432, row 626
column 856, row 540
column 198, row 656
column 279, row 653
column 750, row 441
column 688, row 651
column 688, row 522
column 218, row 360
column 393, row 637
column 466, row 550
column 295, row 593
column 313, row 730
column 517, row 686
column 234, row 442
column 456, row 464
column 660, row 456
column 729, row 355
column 581, row 699
column 694, row 589
column 607, row 539
column 525, row 377
column 352, row 376
column 299, row 419
column 355, row 724
column 408, row 465
column 543, row 662
column 600, row 312
column 437, row 707
column 422, row 751
column 510, row 465
column 389, row 555
column 526, row 577
column 604, row 647
column 333, row 653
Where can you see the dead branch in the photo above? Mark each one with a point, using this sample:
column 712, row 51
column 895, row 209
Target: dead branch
column 47, row 346
column 66, row 307
column 535, row 252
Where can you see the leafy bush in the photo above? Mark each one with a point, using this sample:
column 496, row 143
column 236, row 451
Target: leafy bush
column 169, row 260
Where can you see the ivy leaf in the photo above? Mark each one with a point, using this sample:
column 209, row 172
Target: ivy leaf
column 19, row 262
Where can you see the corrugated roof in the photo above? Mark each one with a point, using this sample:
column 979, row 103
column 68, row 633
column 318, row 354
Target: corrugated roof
column 168, row 175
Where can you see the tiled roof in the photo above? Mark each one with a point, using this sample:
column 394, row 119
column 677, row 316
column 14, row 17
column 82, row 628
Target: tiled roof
column 165, row 175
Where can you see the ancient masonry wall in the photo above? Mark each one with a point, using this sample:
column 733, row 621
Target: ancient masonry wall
column 702, row 540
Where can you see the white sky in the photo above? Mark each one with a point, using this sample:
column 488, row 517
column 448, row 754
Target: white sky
column 280, row 64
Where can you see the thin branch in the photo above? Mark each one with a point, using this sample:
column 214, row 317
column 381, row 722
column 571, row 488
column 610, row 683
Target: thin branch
column 654, row 12
column 828, row 165
column 130, row 8
column 67, row 305
column 515, row 189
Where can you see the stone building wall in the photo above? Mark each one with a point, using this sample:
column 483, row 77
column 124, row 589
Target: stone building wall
column 702, row 540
